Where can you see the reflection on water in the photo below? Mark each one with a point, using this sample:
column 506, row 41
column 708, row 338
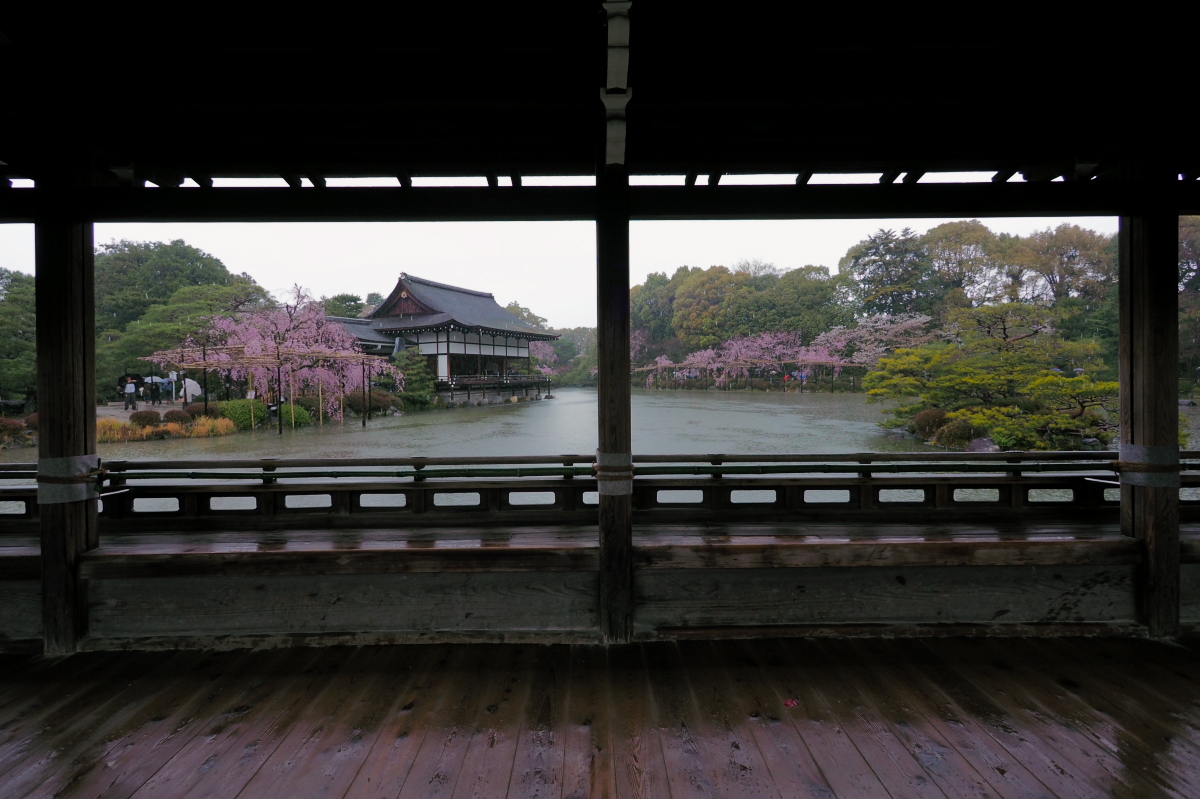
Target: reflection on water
column 675, row 422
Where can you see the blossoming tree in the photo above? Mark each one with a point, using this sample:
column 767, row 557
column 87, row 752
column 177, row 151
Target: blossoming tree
column 288, row 349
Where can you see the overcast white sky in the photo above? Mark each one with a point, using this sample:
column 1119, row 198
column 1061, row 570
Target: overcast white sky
column 548, row 267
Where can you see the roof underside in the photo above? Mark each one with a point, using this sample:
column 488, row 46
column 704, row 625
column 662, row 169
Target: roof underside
column 515, row 90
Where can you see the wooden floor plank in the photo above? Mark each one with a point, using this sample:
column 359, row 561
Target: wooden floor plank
column 310, row 759
column 416, row 710
column 36, row 685
column 1004, row 774
column 52, row 736
column 891, row 702
column 1133, row 721
column 260, row 743
column 737, row 766
column 640, row 768
column 1165, row 670
column 586, row 738
column 978, row 717
column 537, row 769
column 231, row 738
column 840, row 762
column 164, row 729
column 493, row 747
column 985, row 720
column 890, row 759
column 125, row 755
column 1059, row 725
column 783, row 750
column 686, row 753
column 440, row 760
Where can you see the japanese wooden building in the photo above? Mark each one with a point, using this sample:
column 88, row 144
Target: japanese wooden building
column 460, row 331
column 582, row 630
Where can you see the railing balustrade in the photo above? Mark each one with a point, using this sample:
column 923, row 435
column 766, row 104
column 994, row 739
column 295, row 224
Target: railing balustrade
column 380, row 492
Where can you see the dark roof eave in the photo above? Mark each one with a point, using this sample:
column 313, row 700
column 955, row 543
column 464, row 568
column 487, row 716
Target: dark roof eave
column 454, row 324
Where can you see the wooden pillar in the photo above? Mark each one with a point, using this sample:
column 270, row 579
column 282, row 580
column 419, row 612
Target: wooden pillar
column 66, row 381
column 614, row 467
column 1149, row 409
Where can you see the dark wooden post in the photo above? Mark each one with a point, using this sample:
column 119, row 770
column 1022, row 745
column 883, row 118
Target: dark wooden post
column 66, row 381
column 1149, row 409
column 614, row 466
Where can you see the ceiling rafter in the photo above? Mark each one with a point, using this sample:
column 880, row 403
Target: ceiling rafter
column 616, row 92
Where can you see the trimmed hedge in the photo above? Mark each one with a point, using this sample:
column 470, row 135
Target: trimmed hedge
column 196, row 409
column 246, row 414
column 177, row 416
column 303, row 417
column 380, row 401
column 145, row 418
column 311, row 405
column 31, row 421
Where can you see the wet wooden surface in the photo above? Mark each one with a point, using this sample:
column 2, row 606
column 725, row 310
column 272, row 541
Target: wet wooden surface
column 762, row 718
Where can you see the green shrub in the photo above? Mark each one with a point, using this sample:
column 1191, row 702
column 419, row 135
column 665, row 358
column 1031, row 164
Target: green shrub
column 303, row 417
column 928, row 422
column 313, row 407
column 956, row 434
column 10, row 429
column 145, row 418
column 196, row 409
column 176, row 416
column 244, row 413
column 380, row 401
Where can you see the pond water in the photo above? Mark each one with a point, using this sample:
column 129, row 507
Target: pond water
column 664, row 422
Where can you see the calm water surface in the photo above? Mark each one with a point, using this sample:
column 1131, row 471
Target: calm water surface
column 664, row 422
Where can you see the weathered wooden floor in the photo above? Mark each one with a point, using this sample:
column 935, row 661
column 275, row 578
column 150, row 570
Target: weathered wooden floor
column 772, row 718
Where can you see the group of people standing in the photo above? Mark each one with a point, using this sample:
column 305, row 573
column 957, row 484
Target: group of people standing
column 151, row 395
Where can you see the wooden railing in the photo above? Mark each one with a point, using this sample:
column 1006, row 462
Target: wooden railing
column 925, row 488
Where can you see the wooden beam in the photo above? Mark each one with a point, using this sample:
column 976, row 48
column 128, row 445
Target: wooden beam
column 1149, row 344
column 614, row 458
column 1077, row 198
column 66, row 381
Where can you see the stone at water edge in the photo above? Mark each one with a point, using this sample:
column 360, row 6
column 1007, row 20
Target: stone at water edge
column 983, row 445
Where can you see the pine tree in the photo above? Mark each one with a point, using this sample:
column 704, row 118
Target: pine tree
column 418, row 381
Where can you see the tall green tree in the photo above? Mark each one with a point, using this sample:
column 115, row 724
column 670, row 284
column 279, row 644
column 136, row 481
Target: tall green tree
column 418, row 380
column 344, row 305
column 893, row 274
column 131, row 276
column 18, row 334
column 806, row 300
column 961, row 262
column 701, row 316
column 1070, row 261
column 525, row 315
column 185, row 315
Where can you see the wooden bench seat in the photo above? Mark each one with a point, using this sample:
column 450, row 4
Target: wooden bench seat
column 566, row 549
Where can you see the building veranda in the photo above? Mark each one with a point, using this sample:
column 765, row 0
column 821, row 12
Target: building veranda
column 464, row 645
